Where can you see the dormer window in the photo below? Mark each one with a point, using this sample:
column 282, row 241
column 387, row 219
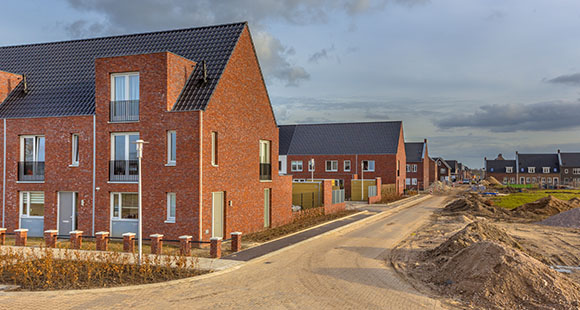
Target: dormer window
column 531, row 169
column 509, row 169
column 546, row 169
column 124, row 105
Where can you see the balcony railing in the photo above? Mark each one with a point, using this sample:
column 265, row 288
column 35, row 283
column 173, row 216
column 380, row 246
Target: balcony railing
column 124, row 111
column 31, row 171
column 265, row 172
column 124, row 170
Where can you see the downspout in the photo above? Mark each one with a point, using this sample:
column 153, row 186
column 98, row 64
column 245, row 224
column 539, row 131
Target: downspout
column 200, row 175
column 94, row 169
column 4, row 178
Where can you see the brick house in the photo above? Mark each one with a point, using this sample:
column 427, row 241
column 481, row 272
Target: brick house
column 344, row 151
column 569, row 168
column 453, row 169
column 417, row 165
column 443, row 169
column 433, row 171
column 503, row 170
column 541, row 169
column 72, row 111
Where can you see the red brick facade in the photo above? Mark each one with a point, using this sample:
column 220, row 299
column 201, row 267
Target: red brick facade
column 422, row 174
column 8, row 81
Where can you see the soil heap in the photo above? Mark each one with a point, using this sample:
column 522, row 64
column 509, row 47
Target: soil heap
column 570, row 218
column 475, row 205
column 542, row 208
column 493, row 181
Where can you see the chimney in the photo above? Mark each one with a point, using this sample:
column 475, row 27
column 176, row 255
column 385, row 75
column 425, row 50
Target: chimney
column 558, row 151
column 8, row 81
column 424, row 140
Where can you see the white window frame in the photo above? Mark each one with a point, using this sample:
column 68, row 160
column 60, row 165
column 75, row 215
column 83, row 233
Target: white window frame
column 34, row 146
column 414, row 181
column 576, row 171
column 408, row 167
column 333, row 166
column 531, row 169
column 112, row 202
column 75, row 153
column 299, row 166
column 127, row 143
column 414, row 166
column 311, row 165
column 127, row 76
column 345, row 165
column 214, row 148
column 171, row 219
column 170, row 148
column 265, row 152
column 20, row 205
column 545, row 169
column 509, row 169
column 408, row 181
column 369, row 165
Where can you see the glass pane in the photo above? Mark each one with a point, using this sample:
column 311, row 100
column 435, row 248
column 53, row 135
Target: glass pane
column 116, row 205
column 36, row 209
column 120, row 92
column 40, row 149
column 28, row 149
column 75, row 148
column 133, row 146
column 134, row 87
column 172, row 146
column 172, row 205
column 130, row 206
column 24, row 203
column 119, row 148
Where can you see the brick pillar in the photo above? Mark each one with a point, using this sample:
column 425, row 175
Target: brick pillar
column 379, row 187
column 129, row 242
column 156, row 244
column 102, row 240
column 21, row 236
column 50, row 238
column 185, row 245
column 327, row 195
column 2, row 236
column 236, row 241
column 215, row 249
column 76, row 239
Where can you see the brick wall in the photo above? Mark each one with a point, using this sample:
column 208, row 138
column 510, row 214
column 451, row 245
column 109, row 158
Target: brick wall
column 330, row 207
column 8, row 81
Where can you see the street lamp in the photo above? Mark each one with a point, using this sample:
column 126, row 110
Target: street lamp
column 311, row 164
column 140, row 212
column 362, row 181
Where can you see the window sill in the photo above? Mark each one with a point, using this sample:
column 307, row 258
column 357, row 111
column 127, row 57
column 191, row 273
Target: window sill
column 73, row 165
column 214, row 165
column 170, row 222
column 120, row 182
column 31, row 217
column 122, row 122
column 30, row 182
column 265, row 181
column 125, row 220
column 170, row 165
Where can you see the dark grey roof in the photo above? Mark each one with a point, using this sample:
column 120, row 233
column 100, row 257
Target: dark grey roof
column 452, row 165
column 414, row 151
column 61, row 75
column 340, row 138
column 539, row 161
column 570, row 159
column 494, row 165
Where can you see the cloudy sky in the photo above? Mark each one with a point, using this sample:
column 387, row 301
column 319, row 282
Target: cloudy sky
column 476, row 78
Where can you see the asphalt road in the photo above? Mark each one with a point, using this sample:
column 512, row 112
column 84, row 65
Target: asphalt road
column 344, row 269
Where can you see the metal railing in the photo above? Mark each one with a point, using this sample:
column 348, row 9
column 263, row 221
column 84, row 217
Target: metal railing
column 124, row 111
column 124, row 170
column 372, row 191
column 337, row 196
column 265, row 172
column 31, row 171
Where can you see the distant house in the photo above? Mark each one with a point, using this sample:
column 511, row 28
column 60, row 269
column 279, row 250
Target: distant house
column 417, row 165
column 443, row 169
column 542, row 169
column 569, row 168
column 433, row 171
column 501, row 169
column 344, row 151
column 453, row 168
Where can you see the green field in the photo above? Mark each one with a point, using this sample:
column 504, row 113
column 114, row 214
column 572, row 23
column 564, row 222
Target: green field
column 517, row 199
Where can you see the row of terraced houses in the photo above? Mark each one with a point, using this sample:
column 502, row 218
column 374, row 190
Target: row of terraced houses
column 72, row 112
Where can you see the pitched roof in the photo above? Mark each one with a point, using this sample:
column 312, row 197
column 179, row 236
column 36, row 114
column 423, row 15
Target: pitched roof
column 61, row 75
column 414, row 151
column 570, row 159
column 340, row 138
column 452, row 164
column 539, row 161
column 440, row 159
column 499, row 165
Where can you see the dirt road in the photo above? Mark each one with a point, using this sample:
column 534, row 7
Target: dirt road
column 341, row 270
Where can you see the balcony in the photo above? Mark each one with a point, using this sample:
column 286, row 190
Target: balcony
column 124, row 170
column 122, row 111
column 265, row 172
column 31, row 171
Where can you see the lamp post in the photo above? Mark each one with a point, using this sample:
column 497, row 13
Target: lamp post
column 140, row 210
column 362, row 181
column 311, row 163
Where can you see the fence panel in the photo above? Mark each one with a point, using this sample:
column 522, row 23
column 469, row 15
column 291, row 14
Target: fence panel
column 337, row 196
column 372, row 191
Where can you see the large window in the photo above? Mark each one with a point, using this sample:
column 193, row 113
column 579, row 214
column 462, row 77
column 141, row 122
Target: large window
column 576, row 170
column 296, row 165
column 214, row 148
column 368, row 165
column 31, row 166
column 32, row 204
column 171, row 201
column 332, row 165
column 124, row 97
column 171, row 145
column 347, row 165
column 124, row 166
column 125, row 206
column 75, row 149
column 265, row 161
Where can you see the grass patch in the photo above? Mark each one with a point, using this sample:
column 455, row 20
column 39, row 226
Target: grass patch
column 43, row 270
column 298, row 225
column 514, row 200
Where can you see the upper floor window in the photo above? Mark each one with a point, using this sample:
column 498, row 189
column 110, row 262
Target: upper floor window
column 31, row 166
column 368, row 165
column 509, row 169
column 75, row 149
column 265, row 161
column 332, row 165
column 296, row 165
column 576, row 170
column 546, row 169
column 171, row 145
column 531, row 169
column 124, row 165
column 414, row 167
column 311, row 164
column 214, row 148
column 408, row 168
column 347, row 165
column 124, row 97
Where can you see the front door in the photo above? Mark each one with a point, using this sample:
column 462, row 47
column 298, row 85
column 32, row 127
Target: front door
column 266, row 207
column 66, row 212
column 217, row 214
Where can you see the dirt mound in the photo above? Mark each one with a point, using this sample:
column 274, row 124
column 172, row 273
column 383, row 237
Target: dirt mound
column 475, row 205
column 491, row 275
column 493, row 181
column 438, row 187
column 470, row 234
column 570, row 218
column 542, row 208
column 575, row 201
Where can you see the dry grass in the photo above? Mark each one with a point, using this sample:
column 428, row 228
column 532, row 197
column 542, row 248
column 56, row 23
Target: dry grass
column 41, row 270
column 390, row 196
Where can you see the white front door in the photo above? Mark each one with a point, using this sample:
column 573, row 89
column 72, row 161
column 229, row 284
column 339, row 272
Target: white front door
column 217, row 214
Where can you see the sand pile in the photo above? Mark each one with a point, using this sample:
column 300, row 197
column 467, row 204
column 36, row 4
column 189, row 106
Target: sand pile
column 570, row 218
column 484, row 183
column 542, row 208
column 475, row 205
column 438, row 187
column 491, row 275
column 493, row 181
column 575, row 201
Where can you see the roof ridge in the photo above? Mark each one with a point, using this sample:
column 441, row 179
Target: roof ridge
column 342, row 123
column 123, row 35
